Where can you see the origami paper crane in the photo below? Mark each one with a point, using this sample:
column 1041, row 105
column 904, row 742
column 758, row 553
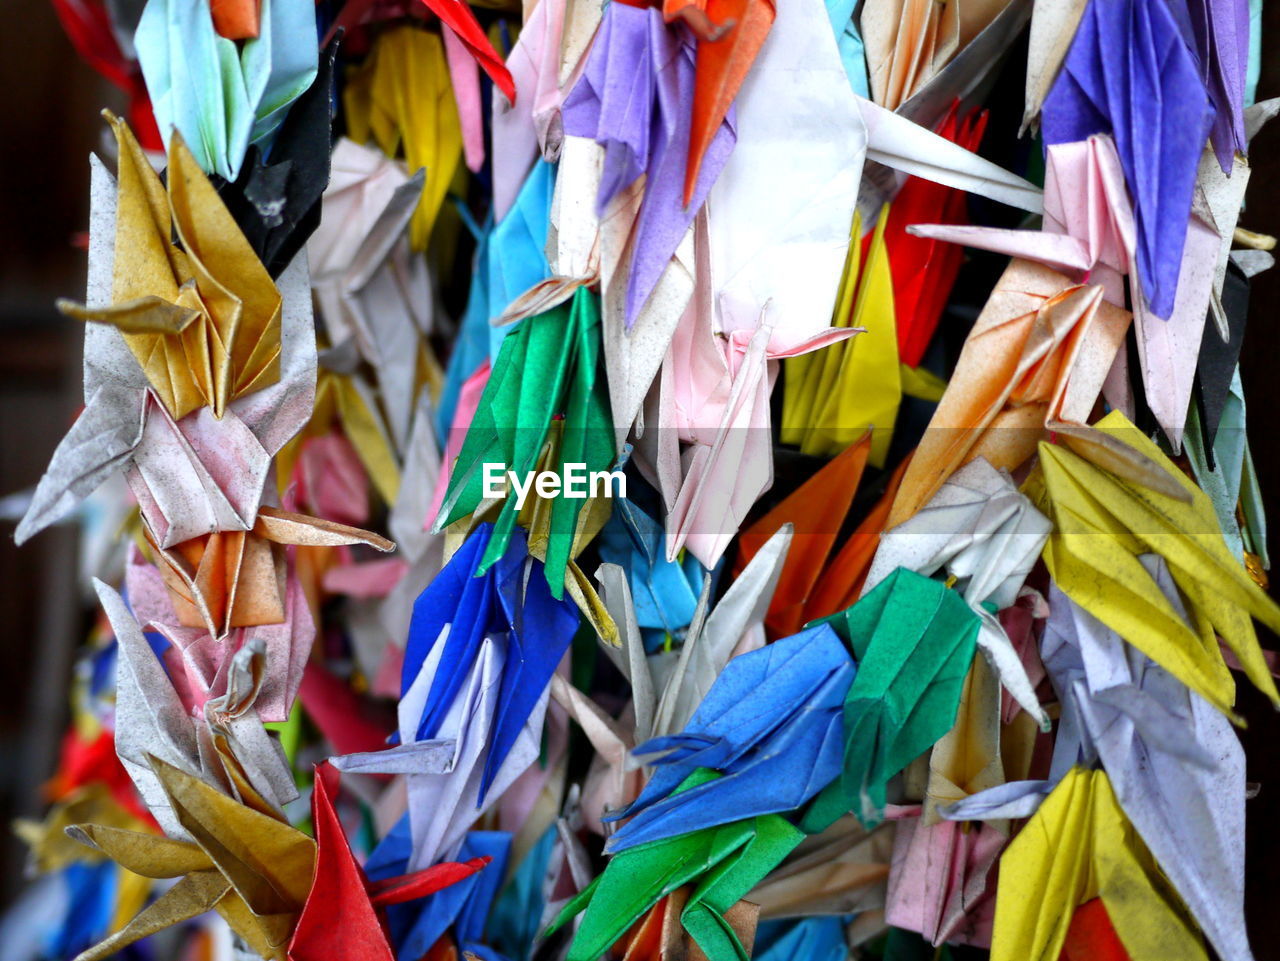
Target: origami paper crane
column 713, row 393
column 913, row 640
column 1037, row 355
column 1096, row 242
column 400, row 98
column 659, row 934
column 462, row 907
column 665, row 593
column 644, row 117
column 198, row 660
column 773, row 760
column 481, row 606
column 516, row 258
column 1102, row 523
column 841, row 870
column 125, row 426
column 1054, row 344
column 722, row 65
column 819, row 939
column 1221, row 33
column 924, row 273
column 234, row 579
column 341, row 890
column 220, row 96
column 723, row 863
column 1094, row 94
column 665, row 696
column 250, row 867
column 369, row 287
column 481, row 653
column 1076, row 847
column 205, row 327
column 220, row 740
column 852, row 387
column 515, row 415
column 277, row 202
column 1173, row 760
column 816, row 510
column 940, row 882
column 908, row 42
column 986, row 535
column 1230, row 481
column 265, row 878
column 546, row 61
column 458, row 20
column 788, row 253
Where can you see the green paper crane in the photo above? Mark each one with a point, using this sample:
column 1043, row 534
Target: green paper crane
column 723, row 862
column 547, row 367
column 913, row 639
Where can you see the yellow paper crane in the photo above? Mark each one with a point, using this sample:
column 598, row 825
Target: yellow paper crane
column 1078, row 846
column 402, row 99
column 1103, row 522
column 251, row 868
column 835, row 395
column 202, row 317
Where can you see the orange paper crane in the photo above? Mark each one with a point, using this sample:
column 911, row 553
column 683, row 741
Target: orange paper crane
column 1036, row 357
column 235, row 19
column 231, row 579
column 730, row 35
column 817, row 509
column 840, row 583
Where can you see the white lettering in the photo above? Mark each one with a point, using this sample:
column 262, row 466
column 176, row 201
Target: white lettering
column 606, row 478
column 547, row 484
column 575, row 481
column 493, row 485
column 522, row 490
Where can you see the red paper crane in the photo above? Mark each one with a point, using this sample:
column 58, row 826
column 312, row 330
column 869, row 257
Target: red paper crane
column 456, row 15
column 724, row 57
column 341, row 920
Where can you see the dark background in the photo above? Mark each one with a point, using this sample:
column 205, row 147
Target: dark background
column 48, row 126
